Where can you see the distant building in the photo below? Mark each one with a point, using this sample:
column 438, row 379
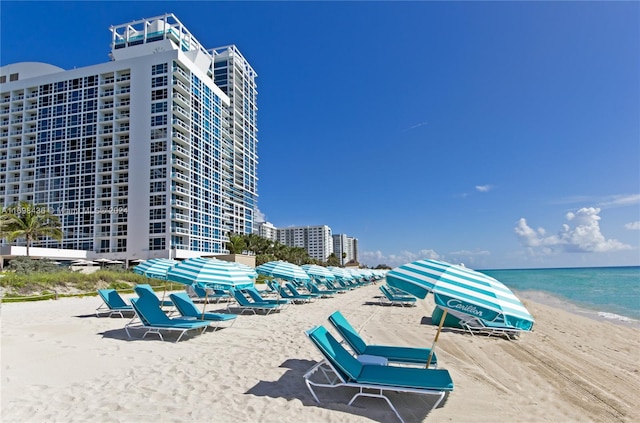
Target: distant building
column 152, row 154
column 347, row 246
column 315, row 239
column 267, row 230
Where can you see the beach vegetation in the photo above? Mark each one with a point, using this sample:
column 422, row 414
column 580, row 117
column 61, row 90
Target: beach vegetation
column 30, row 222
column 333, row 260
column 45, row 285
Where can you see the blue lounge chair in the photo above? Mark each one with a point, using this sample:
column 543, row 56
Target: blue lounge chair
column 145, row 290
column 113, row 304
column 154, row 320
column 350, row 372
column 206, row 294
column 187, row 308
column 475, row 325
column 297, row 296
column 323, row 293
column 255, row 296
column 285, row 294
column 390, row 298
column 245, row 305
column 332, row 286
column 392, row 353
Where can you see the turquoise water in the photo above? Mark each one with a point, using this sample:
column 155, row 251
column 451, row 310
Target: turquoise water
column 609, row 292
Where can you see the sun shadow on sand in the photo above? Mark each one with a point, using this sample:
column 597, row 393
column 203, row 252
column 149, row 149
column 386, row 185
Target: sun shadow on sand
column 121, row 335
column 291, row 386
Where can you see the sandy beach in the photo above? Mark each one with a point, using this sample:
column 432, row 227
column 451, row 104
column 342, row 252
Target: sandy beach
column 60, row 363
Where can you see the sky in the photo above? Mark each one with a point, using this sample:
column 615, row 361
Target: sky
column 494, row 134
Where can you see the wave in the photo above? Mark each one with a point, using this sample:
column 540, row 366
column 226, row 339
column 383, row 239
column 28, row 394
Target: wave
column 613, row 316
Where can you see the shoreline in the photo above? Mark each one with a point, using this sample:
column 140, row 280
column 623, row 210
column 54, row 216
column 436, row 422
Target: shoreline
column 60, row 363
column 551, row 300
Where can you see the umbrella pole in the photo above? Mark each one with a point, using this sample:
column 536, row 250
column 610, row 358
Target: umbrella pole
column 206, row 300
column 433, row 346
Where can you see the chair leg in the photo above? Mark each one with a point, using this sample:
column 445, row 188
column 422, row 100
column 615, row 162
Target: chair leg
column 376, row 395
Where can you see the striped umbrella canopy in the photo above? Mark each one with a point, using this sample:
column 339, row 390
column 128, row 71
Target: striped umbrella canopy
column 283, row 270
column 250, row 270
column 459, row 289
column 368, row 274
column 356, row 273
column 210, row 273
column 155, row 268
column 341, row 273
column 318, row 272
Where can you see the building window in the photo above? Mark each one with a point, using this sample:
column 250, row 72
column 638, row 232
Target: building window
column 157, row 214
column 158, row 146
column 159, row 107
column 157, row 227
column 158, row 186
column 159, row 69
column 159, row 94
column 159, row 81
column 159, row 120
column 158, row 160
column 157, row 243
column 160, row 173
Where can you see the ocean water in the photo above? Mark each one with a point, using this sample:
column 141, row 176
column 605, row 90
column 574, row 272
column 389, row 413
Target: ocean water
column 611, row 293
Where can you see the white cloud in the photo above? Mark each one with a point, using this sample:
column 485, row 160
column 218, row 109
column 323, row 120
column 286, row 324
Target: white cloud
column 585, row 236
column 258, row 216
column 609, row 201
column 633, row 226
column 619, row 200
column 484, row 188
column 417, row 125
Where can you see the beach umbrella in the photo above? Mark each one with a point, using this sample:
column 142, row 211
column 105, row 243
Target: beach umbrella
column 318, row 272
column 211, row 273
column 461, row 290
column 250, row 270
column 283, row 270
column 341, row 273
column 155, row 268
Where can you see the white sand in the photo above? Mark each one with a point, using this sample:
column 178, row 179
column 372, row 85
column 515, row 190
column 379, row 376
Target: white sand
column 62, row 364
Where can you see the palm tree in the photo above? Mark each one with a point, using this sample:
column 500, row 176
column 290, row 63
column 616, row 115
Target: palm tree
column 29, row 221
column 236, row 244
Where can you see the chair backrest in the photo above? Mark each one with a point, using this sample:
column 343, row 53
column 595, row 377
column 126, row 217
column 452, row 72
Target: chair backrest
column 387, row 293
column 240, row 298
column 144, row 290
column 112, row 299
column 200, row 292
column 149, row 312
column 346, row 365
column 254, row 294
column 293, row 289
column 185, row 306
column 281, row 291
column 313, row 288
column 347, row 331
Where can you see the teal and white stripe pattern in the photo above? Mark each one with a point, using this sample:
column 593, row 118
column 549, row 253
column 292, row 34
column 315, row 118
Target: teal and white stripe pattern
column 463, row 290
column 155, row 268
column 211, row 273
column 318, row 272
column 341, row 273
column 283, row 270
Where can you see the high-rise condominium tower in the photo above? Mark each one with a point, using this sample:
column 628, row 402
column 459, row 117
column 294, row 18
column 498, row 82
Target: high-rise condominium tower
column 152, row 154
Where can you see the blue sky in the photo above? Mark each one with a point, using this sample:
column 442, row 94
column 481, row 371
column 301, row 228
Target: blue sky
column 497, row 134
